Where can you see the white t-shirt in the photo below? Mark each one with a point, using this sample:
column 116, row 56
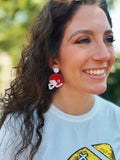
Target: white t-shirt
column 92, row 136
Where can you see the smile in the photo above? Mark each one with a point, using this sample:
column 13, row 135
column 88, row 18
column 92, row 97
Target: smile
column 95, row 72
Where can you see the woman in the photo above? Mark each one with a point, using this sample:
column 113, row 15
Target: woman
column 51, row 110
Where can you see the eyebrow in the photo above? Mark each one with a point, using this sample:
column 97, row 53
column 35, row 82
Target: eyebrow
column 88, row 32
column 80, row 32
column 108, row 32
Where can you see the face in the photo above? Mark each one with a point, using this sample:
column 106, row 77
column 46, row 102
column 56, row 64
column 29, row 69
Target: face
column 86, row 52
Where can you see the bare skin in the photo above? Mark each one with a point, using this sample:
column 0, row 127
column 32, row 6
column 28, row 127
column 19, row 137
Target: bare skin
column 86, row 58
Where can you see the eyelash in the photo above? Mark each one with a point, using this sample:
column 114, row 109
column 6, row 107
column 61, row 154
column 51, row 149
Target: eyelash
column 109, row 39
column 87, row 40
column 83, row 40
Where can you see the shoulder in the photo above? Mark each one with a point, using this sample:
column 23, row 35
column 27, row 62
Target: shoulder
column 106, row 102
column 8, row 132
column 108, row 114
column 108, row 107
column 9, row 137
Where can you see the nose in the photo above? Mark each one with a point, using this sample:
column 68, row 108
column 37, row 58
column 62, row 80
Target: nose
column 101, row 52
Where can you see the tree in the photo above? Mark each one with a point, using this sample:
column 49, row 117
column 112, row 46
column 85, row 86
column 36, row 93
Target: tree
column 15, row 18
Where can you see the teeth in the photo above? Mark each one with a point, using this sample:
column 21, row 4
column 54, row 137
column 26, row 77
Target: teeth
column 95, row 72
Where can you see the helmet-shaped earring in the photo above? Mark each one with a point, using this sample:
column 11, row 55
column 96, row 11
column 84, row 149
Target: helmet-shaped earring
column 55, row 79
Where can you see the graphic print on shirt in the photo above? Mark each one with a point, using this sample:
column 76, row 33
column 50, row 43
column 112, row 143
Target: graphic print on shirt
column 87, row 154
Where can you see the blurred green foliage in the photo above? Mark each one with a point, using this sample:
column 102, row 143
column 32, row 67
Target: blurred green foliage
column 113, row 89
column 110, row 3
column 15, row 18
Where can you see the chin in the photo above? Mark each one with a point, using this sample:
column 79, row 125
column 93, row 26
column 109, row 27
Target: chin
column 98, row 90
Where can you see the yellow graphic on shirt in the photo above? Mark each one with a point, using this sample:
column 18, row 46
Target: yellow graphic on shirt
column 86, row 154
column 106, row 150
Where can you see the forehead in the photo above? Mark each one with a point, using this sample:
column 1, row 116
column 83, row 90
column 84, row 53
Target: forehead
column 88, row 17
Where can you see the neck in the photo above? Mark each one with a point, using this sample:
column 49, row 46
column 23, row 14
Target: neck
column 73, row 103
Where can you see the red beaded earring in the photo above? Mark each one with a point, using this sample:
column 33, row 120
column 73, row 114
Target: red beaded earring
column 55, row 79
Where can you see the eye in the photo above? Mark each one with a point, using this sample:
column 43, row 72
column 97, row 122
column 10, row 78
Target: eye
column 83, row 41
column 109, row 39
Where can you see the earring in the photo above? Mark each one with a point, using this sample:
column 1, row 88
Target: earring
column 55, row 79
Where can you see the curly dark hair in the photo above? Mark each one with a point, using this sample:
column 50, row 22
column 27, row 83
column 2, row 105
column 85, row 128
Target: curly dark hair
column 28, row 94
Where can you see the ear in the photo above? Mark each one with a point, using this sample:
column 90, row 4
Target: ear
column 53, row 63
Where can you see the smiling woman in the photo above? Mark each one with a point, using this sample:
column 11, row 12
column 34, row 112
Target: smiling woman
column 86, row 50
column 53, row 110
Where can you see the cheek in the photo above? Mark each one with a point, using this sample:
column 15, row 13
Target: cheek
column 112, row 56
column 73, row 61
column 75, row 55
